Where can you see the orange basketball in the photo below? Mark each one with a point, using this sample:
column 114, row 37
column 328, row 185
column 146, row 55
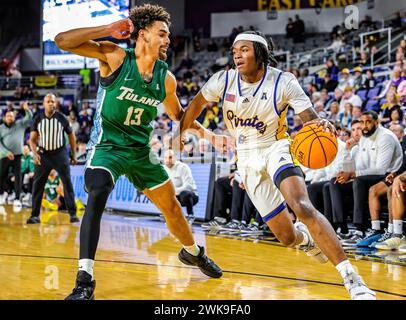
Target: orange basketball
column 314, row 148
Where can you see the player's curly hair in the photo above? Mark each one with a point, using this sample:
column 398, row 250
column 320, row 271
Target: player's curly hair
column 144, row 16
column 263, row 56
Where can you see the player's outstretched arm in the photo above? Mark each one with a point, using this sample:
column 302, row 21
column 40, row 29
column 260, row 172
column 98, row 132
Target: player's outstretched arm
column 175, row 110
column 81, row 41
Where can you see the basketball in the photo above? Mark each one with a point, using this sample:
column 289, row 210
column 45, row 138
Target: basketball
column 314, row 148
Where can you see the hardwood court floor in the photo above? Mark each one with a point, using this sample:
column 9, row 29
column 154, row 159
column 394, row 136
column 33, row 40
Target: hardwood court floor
column 137, row 259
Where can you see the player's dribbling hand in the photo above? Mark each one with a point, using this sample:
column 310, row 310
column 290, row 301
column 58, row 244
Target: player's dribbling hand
column 327, row 125
column 121, row 29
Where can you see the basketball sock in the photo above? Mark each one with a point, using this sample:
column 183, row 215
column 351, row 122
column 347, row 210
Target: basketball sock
column 86, row 265
column 305, row 239
column 390, row 227
column 376, row 225
column 194, row 250
column 345, row 268
column 397, row 226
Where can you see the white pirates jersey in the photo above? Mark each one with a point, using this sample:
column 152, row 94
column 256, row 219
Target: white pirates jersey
column 255, row 113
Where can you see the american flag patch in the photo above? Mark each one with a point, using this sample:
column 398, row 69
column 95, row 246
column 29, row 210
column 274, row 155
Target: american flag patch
column 230, row 97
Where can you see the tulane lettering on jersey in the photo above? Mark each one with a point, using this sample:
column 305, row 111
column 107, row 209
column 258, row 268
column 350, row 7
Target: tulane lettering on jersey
column 126, row 108
column 127, row 94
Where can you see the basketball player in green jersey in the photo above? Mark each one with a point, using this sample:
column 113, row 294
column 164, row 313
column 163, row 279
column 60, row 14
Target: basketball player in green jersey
column 133, row 83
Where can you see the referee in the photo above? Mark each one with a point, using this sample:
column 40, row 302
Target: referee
column 47, row 141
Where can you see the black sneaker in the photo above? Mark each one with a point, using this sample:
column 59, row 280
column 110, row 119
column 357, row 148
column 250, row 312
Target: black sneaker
column 84, row 289
column 32, row 220
column 74, row 219
column 203, row 262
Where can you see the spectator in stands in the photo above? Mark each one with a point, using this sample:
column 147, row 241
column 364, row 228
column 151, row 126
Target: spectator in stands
column 345, row 117
column 212, row 46
column 369, row 81
column 181, row 90
column 356, row 112
column 11, row 150
column 299, row 29
column 364, row 59
column 232, row 35
column 185, row 64
column 81, row 152
column 333, row 114
column 319, row 108
column 84, row 132
column 337, row 43
column 27, row 173
column 345, row 80
column 395, row 81
column 366, row 23
column 392, row 102
column 397, row 21
column 358, row 78
column 344, row 135
column 185, row 185
column 396, row 118
column 324, row 96
column 74, row 123
column 379, row 152
column 306, row 78
column 375, row 234
column 311, row 88
column 350, row 97
column 329, row 83
column 290, row 28
column 221, row 61
column 332, row 69
column 210, row 120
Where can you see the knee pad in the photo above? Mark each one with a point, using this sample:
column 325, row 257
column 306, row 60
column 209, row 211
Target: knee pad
column 98, row 180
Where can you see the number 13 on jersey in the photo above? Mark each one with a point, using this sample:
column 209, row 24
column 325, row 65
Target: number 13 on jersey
column 137, row 118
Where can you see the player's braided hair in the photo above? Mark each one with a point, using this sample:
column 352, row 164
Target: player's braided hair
column 144, row 16
column 264, row 56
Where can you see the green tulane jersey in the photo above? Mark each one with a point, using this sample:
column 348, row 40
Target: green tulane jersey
column 126, row 108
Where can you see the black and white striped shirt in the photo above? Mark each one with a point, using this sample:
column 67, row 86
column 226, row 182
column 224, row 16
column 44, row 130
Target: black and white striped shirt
column 51, row 130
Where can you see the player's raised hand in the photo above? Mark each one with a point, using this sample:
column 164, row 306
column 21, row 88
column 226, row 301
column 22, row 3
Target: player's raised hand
column 121, row 29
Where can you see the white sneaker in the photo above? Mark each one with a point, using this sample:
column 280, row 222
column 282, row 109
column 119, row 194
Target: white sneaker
column 393, row 243
column 311, row 249
column 11, row 198
column 26, row 197
column 3, row 198
column 17, row 203
column 357, row 288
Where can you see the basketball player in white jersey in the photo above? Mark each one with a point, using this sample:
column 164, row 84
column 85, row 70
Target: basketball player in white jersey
column 255, row 98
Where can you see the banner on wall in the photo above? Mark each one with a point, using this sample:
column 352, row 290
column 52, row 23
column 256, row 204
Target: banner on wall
column 271, row 5
column 126, row 198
